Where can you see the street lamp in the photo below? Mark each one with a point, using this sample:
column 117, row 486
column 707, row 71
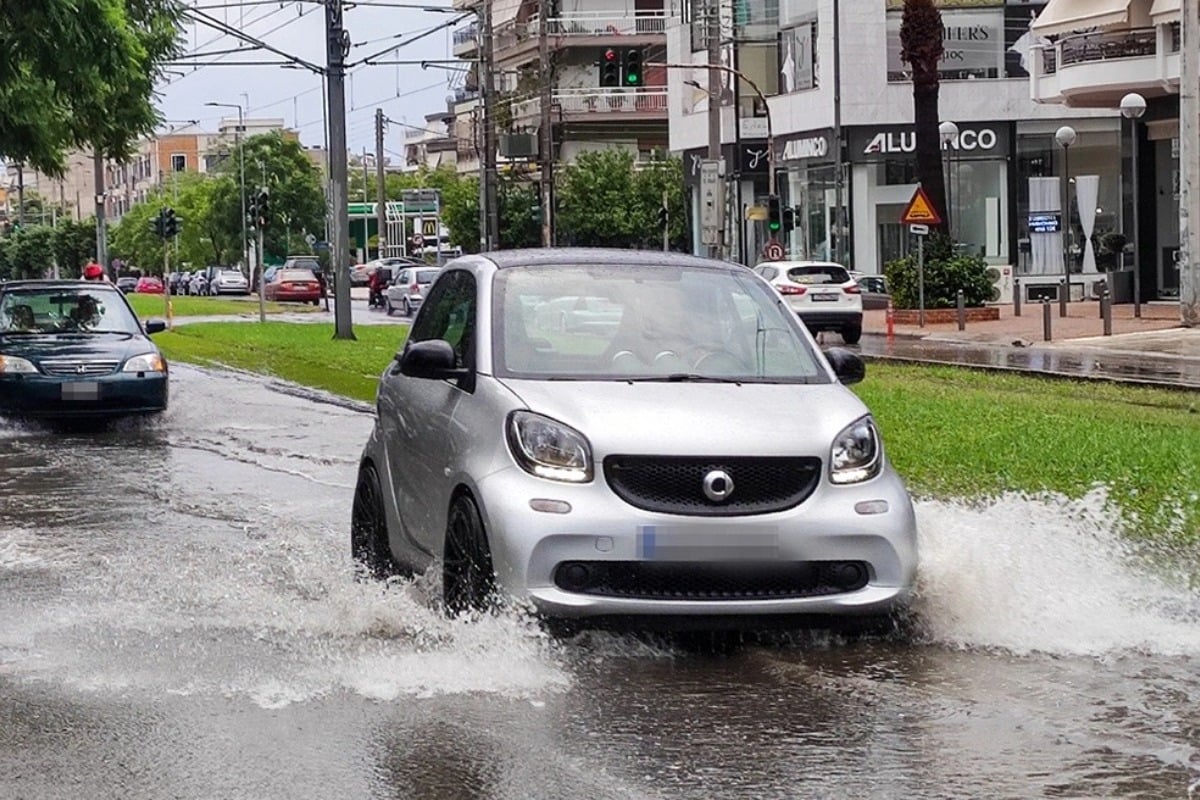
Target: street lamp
column 1133, row 106
column 237, row 142
column 1065, row 136
column 948, row 133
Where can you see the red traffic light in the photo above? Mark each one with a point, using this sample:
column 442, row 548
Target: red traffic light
column 610, row 55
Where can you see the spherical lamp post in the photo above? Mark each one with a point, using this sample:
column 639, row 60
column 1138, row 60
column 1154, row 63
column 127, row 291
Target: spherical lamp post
column 948, row 133
column 1133, row 106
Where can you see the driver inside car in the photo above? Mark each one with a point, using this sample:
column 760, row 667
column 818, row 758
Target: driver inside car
column 86, row 312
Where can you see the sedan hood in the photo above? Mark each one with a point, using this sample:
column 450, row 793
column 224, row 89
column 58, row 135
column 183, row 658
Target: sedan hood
column 697, row 418
column 110, row 346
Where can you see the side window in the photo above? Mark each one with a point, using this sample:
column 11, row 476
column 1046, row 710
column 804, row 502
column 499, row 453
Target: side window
column 449, row 313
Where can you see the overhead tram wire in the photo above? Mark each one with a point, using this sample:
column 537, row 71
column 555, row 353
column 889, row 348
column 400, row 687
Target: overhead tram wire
column 243, row 25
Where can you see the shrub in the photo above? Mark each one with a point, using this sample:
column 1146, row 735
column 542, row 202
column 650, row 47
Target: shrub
column 945, row 273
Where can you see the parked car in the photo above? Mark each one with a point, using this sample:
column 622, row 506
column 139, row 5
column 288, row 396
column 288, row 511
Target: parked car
column 874, row 291
column 293, row 285
column 149, row 284
column 198, row 284
column 127, row 283
column 700, row 462
column 407, row 290
column 228, row 281
column 823, row 294
column 76, row 349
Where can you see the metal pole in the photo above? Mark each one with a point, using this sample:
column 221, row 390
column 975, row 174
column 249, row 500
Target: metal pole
column 666, row 223
column 366, row 216
column 1189, row 165
column 237, row 142
column 1137, row 239
column 1106, row 310
column 1062, row 297
column 166, row 283
column 545, row 134
column 1066, row 223
column 837, row 256
column 921, row 281
column 337, row 42
column 1016, row 297
column 490, row 207
column 380, row 187
column 21, row 195
column 262, row 302
column 713, row 36
column 1046, row 319
column 101, row 228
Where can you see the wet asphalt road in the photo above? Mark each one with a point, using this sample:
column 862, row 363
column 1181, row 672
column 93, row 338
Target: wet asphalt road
column 180, row 620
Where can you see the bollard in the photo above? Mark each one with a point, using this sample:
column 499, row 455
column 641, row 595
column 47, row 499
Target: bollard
column 1016, row 297
column 1046, row 319
column 1063, row 288
column 962, row 311
column 891, row 320
column 1102, row 288
column 1106, row 312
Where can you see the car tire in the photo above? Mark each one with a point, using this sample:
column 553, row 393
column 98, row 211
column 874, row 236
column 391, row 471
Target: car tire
column 852, row 333
column 468, row 577
column 387, row 302
column 368, row 527
column 407, row 307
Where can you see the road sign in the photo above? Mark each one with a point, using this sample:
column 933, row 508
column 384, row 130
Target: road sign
column 756, row 213
column 418, row 240
column 920, row 210
column 773, row 251
column 429, row 227
column 918, row 230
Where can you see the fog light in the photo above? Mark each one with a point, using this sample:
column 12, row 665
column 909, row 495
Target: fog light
column 850, row 576
column 574, row 576
column 871, row 507
column 550, row 506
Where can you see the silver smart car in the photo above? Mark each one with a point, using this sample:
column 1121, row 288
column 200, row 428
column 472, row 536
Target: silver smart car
column 679, row 450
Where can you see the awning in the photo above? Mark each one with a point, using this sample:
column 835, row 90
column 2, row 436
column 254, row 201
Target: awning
column 1064, row 16
column 504, row 12
column 1165, row 11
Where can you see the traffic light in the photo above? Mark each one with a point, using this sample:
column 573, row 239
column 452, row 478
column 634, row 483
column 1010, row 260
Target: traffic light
column 633, row 68
column 156, row 224
column 789, row 219
column 664, row 217
column 170, row 223
column 610, row 69
column 263, row 203
column 252, row 213
column 774, row 217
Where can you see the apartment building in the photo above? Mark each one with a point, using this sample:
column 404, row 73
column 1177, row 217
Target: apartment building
column 435, row 144
column 845, row 160
column 1091, row 54
column 584, row 114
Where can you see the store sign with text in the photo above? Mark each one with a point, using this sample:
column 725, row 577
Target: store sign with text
column 973, row 140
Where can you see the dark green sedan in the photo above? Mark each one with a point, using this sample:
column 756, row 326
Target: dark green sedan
column 76, row 349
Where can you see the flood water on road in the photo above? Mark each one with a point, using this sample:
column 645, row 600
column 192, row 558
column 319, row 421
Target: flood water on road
column 179, row 618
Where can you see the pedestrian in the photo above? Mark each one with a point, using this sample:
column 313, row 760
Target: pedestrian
column 93, row 272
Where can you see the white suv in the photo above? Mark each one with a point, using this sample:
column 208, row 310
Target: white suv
column 823, row 295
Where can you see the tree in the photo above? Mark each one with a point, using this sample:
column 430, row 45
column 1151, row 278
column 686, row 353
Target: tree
column 652, row 182
column 945, row 272
column 29, row 251
column 921, row 48
column 133, row 241
column 81, row 74
column 74, row 245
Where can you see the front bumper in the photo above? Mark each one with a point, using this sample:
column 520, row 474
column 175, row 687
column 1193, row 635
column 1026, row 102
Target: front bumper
column 528, row 546
column 115, row 394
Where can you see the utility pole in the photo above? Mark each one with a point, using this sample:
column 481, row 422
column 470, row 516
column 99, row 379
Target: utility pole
column 21, row 194
column 833, row 254
column 380, row 185
column 1189, row 165
column 489, row 202
column 337, row 45
column 101, row 230
column 713, row 31
column 545, row 135
column 366, row 216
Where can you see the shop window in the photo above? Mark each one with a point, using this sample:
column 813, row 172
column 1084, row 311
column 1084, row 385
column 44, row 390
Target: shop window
column 798, row 58
column 178, row 162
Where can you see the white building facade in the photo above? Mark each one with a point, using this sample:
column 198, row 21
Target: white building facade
column 1001, row 168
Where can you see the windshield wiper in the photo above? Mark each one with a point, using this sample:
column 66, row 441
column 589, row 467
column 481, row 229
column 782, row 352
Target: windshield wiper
column 683, row 377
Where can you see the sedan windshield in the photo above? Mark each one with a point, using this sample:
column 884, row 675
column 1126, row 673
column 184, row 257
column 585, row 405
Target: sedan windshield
column 645, row 322
column 69, row 309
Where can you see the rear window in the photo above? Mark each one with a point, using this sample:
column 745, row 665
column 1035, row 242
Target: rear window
column 305, row 263
column 819, row 273
column 426, row 275
column 296, row 275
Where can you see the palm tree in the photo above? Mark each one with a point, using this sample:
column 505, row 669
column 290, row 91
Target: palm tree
column 921, row 48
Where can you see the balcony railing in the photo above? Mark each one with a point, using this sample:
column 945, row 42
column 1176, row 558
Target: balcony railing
column 584, row 24
column 466, row 36
column 648, row 100
column 1088, row 48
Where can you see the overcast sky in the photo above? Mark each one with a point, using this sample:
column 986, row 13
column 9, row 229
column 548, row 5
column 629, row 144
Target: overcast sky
column 406, row 93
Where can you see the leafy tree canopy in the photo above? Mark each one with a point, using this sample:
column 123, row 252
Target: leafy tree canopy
column 603, row 200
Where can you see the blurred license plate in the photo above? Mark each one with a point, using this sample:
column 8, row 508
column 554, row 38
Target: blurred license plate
column 824, row 298
column 671, row 543
column 81, row 390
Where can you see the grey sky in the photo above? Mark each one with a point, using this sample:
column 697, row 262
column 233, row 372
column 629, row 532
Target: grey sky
column 406, row 93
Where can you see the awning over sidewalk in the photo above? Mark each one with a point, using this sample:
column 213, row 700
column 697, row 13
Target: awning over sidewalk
column 1064, row 16
column 1164, row 11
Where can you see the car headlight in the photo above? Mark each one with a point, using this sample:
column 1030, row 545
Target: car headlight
column 146, row 362
column 856, row 454
column 12, row 365
column 548, row 448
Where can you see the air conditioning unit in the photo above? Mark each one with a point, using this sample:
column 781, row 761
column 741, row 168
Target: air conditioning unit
column 1002, row 284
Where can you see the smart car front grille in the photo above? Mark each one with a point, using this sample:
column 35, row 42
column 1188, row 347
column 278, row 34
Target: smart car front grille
column 79, row 368
column 676, row 484
column 675, row 580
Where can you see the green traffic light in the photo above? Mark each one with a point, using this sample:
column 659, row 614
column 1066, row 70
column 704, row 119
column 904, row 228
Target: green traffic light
column 631, row 78
column 773, row 226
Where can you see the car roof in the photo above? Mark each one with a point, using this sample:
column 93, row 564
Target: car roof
column 50, row 283
column 593, row 256
column 791, row 264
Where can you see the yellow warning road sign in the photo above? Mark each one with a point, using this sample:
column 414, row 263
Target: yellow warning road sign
column 920, row 210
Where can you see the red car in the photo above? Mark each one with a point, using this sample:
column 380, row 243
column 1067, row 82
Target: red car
column 149, row 285
column 295, row 285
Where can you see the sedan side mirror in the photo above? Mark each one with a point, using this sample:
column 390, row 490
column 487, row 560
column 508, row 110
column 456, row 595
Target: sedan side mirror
column 847, row 365
column 432, row 358
column 155, row 326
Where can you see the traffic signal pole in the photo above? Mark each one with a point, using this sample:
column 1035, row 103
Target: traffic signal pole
column 337, row 42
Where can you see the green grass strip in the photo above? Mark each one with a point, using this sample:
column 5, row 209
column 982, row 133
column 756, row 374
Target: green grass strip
column 152, row 306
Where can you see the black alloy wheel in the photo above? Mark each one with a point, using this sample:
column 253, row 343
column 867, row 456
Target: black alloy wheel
column 852, row 333
column 368, row 527
column 468, row 577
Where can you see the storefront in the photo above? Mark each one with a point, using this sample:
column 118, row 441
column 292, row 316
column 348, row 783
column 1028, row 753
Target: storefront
column 808, row 185
column 884, row 176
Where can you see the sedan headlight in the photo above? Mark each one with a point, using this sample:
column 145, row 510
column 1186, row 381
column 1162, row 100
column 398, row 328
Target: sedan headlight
column 856, row 454
column 146, row 362
column 548, row 448
column 12, row 365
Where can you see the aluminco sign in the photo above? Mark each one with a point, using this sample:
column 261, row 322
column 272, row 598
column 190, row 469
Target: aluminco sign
column 812, row 147
column 906, row 142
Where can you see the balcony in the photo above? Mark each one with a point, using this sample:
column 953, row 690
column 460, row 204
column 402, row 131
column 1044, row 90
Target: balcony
column 516, row 42
column 1094, row 70
column 465, row 40
column 609, row 106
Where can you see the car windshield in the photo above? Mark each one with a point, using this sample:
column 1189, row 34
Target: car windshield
column 305, row 263
column 818, row 273
column 426, row 276
column 58, row 309
column 645, row 323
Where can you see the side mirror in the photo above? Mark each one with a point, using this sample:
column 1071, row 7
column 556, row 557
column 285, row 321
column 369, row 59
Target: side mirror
column 847, row 365
column 154, row 326
column 432, row 358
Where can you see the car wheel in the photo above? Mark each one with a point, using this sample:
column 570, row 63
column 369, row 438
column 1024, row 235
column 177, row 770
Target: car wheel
column 387, row 301
column 407, row 307
column 852, row 333
column 468, row 578
column 368, row 527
